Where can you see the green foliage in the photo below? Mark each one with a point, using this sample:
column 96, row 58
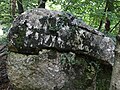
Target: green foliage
column 5, row 10
column 92, row 72
column 3, row 39
column 5, row 17
column 68, row 59
column 91, row 11
column 29, row 4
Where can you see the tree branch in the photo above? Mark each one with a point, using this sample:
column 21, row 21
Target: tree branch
column 13, row 7
column 101, row 22
column 20, row 6
column 115, row 26
column 41, row 3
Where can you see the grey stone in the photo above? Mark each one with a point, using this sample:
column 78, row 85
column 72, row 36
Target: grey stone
column 35, row 72
column 65, row 72
column 39, row 29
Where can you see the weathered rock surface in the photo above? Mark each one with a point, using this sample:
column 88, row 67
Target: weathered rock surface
column 4, row 81
column 35, row 72
column 115, row 81
column 39, row 29
column 51, row 70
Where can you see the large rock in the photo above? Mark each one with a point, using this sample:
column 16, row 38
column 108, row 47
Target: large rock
column 77, row 64
column 51, row 70
column 39, row 29
column 35, row 72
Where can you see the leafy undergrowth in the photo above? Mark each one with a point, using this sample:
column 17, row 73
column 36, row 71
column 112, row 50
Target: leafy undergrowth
column 3, row 39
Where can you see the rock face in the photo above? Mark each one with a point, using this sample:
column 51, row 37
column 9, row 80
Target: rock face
column 35, row 72
column 4, row 81
column 115, row 81
column 51, row 70
column 74, row 62
column 39, row 29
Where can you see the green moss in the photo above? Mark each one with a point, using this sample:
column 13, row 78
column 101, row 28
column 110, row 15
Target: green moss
column 20, row 39
column 3, row 39
column 87, row 74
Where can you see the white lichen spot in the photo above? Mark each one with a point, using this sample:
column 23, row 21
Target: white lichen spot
column 28, row 33
column 40, row 16
column 108, row 49
column 11, row 41
column 86, row 48
column 36, row 35
column 31, row 45
column 53, row 38
column 106, row 39
column 57, row 18
column 41, row 41
column 23, row 13
column 41, row 34
column 25, row 45
column 81, row 31
column 59, row 40
column 99, row 33
column 101, row 45
column 45, row 27
column 53, row 41
column 68, row 43
column 65, row 28
column 49, row 68
column 75, row 21
column 15, row 36
column 29, row 25
column 80, row 46
column 50, row 45
column 56, row 69
column 92, row 44
column 47, row 37
column 37, row 24
column 26, row 41
column 22, row 21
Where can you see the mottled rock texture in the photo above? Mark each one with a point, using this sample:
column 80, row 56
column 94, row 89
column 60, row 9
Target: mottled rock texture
column 115, row 81
column 35, row 72
column 4, row 81
column 51, row 70
column 39, row 29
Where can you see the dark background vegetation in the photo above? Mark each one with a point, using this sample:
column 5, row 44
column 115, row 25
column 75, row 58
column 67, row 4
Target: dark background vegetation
column 103, row 15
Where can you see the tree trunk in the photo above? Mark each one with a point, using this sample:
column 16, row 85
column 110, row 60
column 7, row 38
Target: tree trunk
column 115, row 81
column 41, row 3
column 20, row 6
column 13, row 7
